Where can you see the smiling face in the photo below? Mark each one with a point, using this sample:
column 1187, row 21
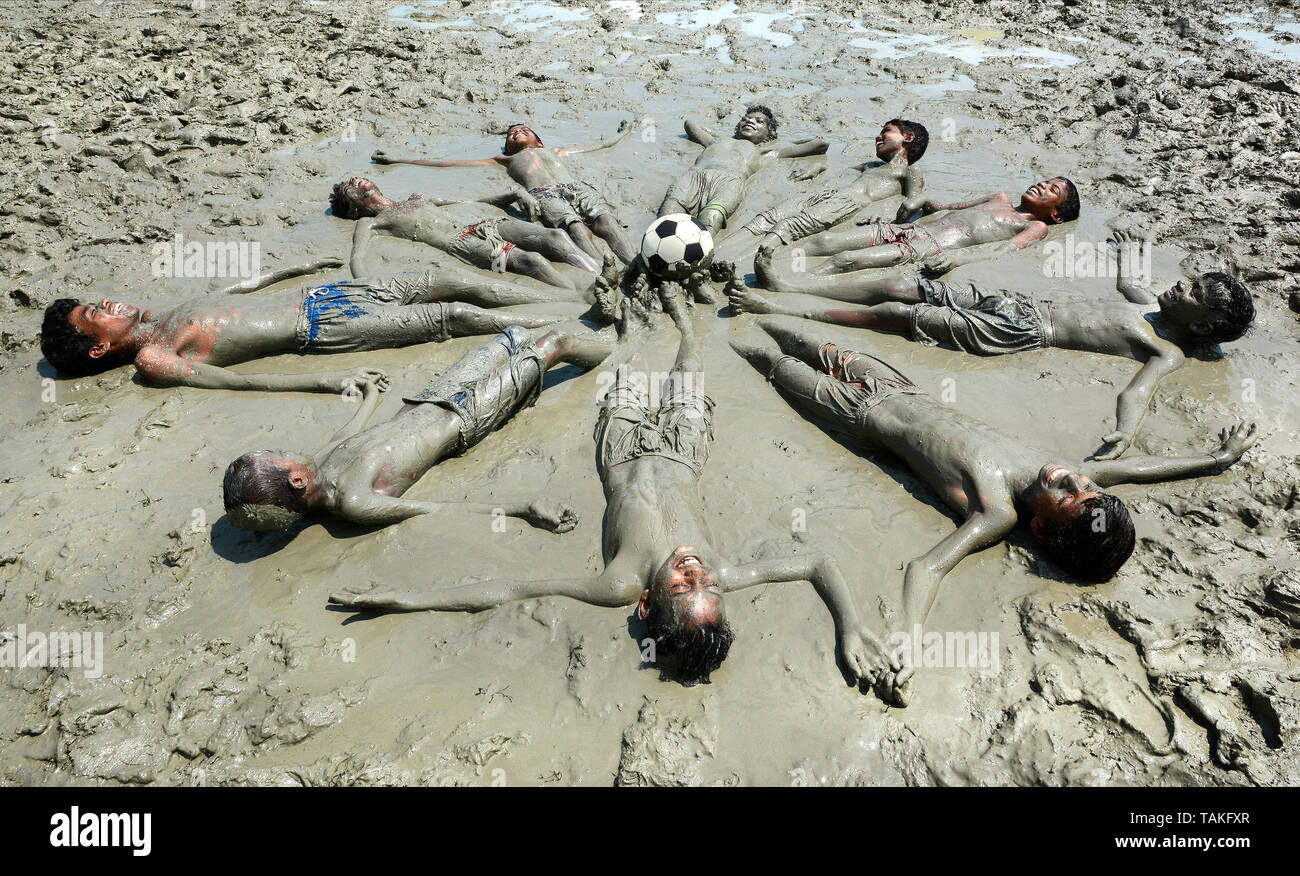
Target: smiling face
column 686, row 588
column 521, row 137
column 110, row 323
column 1044, row 199
column 754, row 127
column 1057, row 497
column 890, row 140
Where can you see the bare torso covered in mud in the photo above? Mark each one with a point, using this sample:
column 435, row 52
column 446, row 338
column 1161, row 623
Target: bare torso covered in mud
column 537, row 167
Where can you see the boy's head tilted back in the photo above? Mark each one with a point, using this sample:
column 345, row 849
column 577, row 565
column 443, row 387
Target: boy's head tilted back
column 77, row 352
column 261, row 493
column 1053, row 200
column 354, row 198
column 519, row 136
column 1095, row 542
column 1086, row 532
column 915, row 138
column 1215, row 308
column 683, row 611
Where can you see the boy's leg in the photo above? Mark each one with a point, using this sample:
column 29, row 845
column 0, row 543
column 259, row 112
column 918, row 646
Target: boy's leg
column 552, row 243
column 890, row 316
column 857, row 289
column 607, row 228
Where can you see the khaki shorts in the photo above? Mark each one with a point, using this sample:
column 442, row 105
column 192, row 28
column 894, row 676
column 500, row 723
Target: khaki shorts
column 680, row 430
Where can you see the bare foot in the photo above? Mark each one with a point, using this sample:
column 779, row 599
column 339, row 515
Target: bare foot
column 673, row 297
column 746, row 300
column 606, row 291
column 768, row 278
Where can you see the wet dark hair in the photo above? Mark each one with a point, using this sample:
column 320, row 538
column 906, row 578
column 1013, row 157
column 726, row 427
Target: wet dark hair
column 1069, row 208
column 67, row 347
column 771, row 118
column 342, row 202
column 258, row 495
column 920, row 138
column 1094, row 543
column 693, row 650
column 1233, row 307
column 521, row 125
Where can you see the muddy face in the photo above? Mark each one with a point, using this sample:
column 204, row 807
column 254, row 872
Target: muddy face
column 685, row 585
column 110, row 323
column 1058, row 495
column 1044, row 199
column 363, row 196
column 754, row 127
column 889, row 141
column 1184, row 304
column 521, row 137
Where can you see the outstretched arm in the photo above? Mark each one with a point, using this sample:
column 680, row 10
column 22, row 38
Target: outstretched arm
column 923, row 574
column 603, row 589
column 928, row 205
column 699, row 134
column 865, row 654
column 361, row 237
column 1131, row 406
column 368, row 508
column 1145, row 469
column 369, row 391
column 379, row 156
column 802, row 148
column 261, row 282
column 1130, row 283
column 165, row 368
column 624, row 131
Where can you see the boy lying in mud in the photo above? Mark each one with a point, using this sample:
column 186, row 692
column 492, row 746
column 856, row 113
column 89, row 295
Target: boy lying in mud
column 712, row 190
column 361, row 474
column 189, row 344
column 899, row 146
column 986, row 227
column 500, row 244
column 1211, row 309
column 573, row 206
column 658, row 549
column 991, row 480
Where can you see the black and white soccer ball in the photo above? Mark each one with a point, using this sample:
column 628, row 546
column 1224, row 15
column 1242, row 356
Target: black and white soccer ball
column 675, row 245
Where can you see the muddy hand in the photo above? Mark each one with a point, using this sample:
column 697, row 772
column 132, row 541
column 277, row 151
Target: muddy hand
column 1235, row 441
column 938, row 265
column 1118, row 442
column 555, row 516
column 379, row 156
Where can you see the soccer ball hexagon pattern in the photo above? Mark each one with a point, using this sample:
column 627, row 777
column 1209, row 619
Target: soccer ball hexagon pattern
column 676, row 244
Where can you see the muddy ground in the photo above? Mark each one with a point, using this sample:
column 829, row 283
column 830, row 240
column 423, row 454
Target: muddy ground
column 127, row 123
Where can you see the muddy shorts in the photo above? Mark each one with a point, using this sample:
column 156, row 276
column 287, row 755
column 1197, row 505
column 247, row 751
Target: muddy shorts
column 488, row 386
column 913, row 243
column 565, row 203
column 343, row 317
column 847, row 386
column 481, row 245
column 798, row 219
column 987, row 324
column 680, row 430
column 700, row 190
